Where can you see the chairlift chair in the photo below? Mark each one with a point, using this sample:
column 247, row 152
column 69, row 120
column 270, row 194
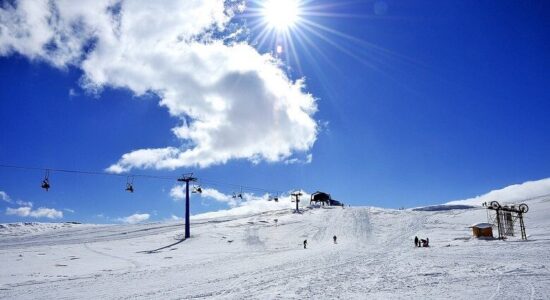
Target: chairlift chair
column 239, row 195
column 46, row 182
column 130, row 184
column 197, row 189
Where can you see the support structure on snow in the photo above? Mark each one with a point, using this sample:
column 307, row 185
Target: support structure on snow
column 506, row 217
column 187, row 178
column 296, row 199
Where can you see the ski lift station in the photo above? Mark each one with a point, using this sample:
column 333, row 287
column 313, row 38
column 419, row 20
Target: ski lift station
column 324, row 199
column 482, row 230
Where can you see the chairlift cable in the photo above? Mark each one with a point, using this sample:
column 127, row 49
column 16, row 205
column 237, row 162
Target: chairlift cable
column 148, row 176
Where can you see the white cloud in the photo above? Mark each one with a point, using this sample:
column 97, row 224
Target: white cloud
column 21, row 211
column 25, row 209
column 308, row 159
column 214, row 194
column 23, row 203
column 232, row 102
column 42, row 212
column 69, row 210
column 5, row 197
column 135, row 218
column 177, row 192
column 72, row 93
column 175, row 218
column 512, row 193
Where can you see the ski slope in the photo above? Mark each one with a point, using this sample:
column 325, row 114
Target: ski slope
column 251, row 257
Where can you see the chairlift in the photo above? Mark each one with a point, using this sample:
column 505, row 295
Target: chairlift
column 239, row 195
column 46, row 182
column 271, row 198
column 197, row 189
column 130, row 184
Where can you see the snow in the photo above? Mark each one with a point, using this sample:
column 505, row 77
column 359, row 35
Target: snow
column 442, row 207
column 511, row 194
column 251, row 257
column 482, row 225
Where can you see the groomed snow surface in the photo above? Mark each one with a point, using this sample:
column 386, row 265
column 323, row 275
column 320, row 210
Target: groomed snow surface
column 252, row 257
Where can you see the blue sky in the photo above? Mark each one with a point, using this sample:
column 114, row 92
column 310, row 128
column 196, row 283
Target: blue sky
column 417, row 103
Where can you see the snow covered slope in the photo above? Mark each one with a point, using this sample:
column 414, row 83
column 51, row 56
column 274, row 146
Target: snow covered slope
column 252, row 257
column 511, row 194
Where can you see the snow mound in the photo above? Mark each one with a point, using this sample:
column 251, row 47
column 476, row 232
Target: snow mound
column 443, row 207
column 511, row 194
column 25, row 228
column 482, row 225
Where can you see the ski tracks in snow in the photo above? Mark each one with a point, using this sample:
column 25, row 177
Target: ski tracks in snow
column 133, row 263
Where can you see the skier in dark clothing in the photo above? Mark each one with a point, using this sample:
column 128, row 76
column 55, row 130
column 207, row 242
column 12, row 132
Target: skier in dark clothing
column 416, row 241
column 334, row 239
column 305, row 244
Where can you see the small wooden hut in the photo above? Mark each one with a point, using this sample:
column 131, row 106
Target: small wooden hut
column 482, row 230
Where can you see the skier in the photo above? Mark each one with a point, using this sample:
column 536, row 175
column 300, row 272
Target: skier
column 427, row 242
column 305, row 244
column 334, row 239
column 416, row 241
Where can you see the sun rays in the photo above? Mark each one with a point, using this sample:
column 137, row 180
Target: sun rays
column 296, row 31
column 293, row 30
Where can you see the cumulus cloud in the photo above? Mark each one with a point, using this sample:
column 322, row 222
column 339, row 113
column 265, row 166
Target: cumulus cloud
column 5, row 197
column 26, row 209
column 177, row 192
column 216, row 195
column 175, row 218
column 232, row 102
column 42, row 212
column 134, row 219
column 513, row 193
column 23, row 203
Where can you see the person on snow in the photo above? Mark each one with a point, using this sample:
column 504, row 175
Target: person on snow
column 427, row 242
column 416, row 241
column 305, row 244
column 334, row 239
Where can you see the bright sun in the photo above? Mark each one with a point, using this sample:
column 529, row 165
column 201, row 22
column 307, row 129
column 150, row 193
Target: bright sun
column 281, row 14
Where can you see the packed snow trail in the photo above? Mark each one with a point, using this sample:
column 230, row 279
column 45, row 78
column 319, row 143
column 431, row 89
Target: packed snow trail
column 252, row 257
